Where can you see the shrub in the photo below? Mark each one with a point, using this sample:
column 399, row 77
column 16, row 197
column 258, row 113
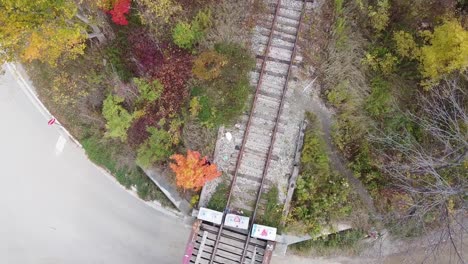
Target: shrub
column 114, row 52
column 379, row 101
column 381, row 61
column 156, row 148
column 118, row 118
column 208, row 65
column 161, row 9
column 365, row 168
column 186, row 35
column 325, row 245
column 405, row 44
column 379, row 15
column 149, row 91
column 173, row 74
column 321, row 194
column 194, row 106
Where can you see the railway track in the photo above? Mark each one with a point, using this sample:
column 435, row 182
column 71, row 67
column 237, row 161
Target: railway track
column 276, row 50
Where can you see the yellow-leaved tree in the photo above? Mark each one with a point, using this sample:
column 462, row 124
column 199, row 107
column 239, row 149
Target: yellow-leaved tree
column 193, row 171
column 42, row 30
column 445, row 50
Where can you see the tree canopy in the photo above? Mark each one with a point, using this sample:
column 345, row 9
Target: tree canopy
column 41, row 30
column 193, row 171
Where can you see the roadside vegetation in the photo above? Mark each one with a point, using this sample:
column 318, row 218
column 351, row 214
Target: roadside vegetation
column 137, row 82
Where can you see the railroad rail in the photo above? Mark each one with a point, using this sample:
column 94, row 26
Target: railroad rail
column 256, row 151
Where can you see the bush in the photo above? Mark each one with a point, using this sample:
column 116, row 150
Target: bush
column 324, row 245
column 114, row 52
column 173, row 74
column 447, row 52
column 379, row 102
column 187, row 35
column 118, row 118
column 149, row 91
column 321, row 194
column 366, row 169
column 184, row 35
column 208, row 65
column 158, row 147
column 379, row 15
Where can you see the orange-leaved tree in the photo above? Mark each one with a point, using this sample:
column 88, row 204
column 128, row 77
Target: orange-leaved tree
column 193, row 171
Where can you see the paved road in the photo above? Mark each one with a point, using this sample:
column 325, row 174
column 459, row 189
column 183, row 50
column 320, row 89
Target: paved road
column 57, row 207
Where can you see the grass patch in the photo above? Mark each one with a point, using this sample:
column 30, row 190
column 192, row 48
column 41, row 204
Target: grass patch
column 106, row 154
column 342, row 241
column 218, row 200
column 273, row 209
column 223, row 98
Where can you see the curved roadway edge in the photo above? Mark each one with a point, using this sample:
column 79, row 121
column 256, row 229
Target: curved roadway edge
column 26, row 86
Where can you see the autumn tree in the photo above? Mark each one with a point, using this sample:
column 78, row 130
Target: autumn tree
column 117, row 9
column 445, row 50
column 193, row 171
column 40, row 30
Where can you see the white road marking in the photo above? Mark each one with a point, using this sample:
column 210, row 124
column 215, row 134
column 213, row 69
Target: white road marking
column 60, row 145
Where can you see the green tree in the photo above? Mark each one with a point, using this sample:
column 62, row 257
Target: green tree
column 42, row 30
column 156, row 148
column 118, row 118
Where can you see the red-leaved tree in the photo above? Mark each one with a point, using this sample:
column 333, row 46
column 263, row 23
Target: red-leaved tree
column 118, row 9
column 193, row 171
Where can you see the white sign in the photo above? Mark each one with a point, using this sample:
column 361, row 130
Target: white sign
column 237, row 221
column 209, row 215
column 264, row 232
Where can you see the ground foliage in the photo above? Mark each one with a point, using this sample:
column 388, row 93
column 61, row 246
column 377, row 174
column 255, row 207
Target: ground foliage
column 380, row 79
column 222, row 99
column 321, row 195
